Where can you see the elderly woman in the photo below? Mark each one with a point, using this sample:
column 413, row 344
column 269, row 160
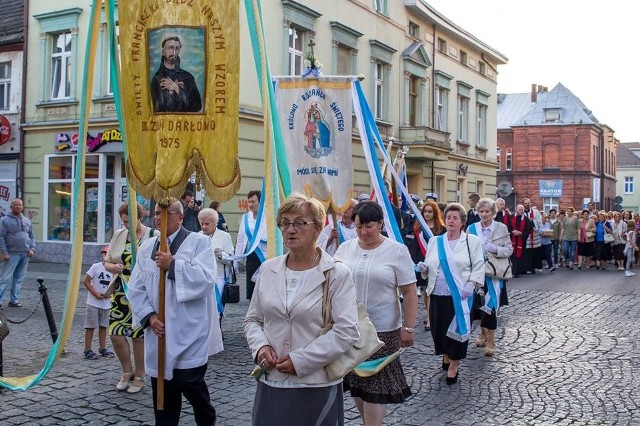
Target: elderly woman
column 417, row 245
column 118, row 262
column 222, row 247
column 380, row 267
column 284, row 322
column 586, row 234
column 455, row 268
column 619, row 228
column 601, row 250
column 495, row 240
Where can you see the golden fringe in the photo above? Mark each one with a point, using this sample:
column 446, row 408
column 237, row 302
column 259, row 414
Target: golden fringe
column 219, row 192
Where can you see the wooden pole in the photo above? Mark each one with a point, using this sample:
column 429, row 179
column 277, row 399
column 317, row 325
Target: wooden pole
column 335, row 226
column 161, row 310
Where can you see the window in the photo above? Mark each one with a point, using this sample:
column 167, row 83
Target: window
column 480, row 188
column 61, row 66
column 481, row 125
column 549, row 203
column 463, row 57
column 380, row 6
column 414, row 87
column 5, row 85
column 379, row 90
column 483, row 68
column 414, row 30
column 628, row 184
column 99, row 197
column 508, row 161
column 109, row 82
column 551, row 115
column 442, row 45
column 498, row 158
column 441, row 187
column 441, row 108
column 344, row 64
column 461, row 191
column 463, row 118
column 296, row 51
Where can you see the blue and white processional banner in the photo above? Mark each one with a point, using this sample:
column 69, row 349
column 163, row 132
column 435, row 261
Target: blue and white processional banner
column 315, row 118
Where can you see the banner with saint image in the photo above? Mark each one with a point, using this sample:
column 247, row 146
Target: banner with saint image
column 179, row 83
column 315, row 118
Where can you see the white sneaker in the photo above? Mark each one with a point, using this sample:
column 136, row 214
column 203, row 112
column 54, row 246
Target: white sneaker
column 629, row 274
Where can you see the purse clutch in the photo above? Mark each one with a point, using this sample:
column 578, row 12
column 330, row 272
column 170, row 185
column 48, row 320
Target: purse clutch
column 498, row 267
column 608, row 238
column 367, row 344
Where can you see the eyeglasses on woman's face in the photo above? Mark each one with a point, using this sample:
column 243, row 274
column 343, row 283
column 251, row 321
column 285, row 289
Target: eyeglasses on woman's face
column 297, row 224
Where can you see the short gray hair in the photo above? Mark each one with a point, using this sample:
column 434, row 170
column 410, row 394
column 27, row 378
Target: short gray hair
column 209, row 213
column 487, row 203
column 457, row 207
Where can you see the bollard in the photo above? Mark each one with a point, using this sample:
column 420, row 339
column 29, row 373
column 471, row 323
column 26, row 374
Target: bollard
column 47, row 309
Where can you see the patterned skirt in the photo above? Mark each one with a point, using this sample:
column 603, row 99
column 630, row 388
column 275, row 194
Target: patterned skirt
column 120, row 316
column 389, row 386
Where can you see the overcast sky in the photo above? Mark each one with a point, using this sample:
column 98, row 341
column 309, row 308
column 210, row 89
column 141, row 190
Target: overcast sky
column 591, row 47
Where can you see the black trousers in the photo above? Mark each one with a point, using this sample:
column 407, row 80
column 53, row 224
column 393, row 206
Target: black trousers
column 253, row 264
column 190, row 383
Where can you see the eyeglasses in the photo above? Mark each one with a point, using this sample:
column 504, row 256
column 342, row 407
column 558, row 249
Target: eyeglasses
column 297, row 224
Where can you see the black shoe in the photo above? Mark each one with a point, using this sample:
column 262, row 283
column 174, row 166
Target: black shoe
column 452, row 380
column 15, row 304
column 445, row 366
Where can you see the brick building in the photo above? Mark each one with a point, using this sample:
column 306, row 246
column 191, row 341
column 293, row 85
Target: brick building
column 552, row 149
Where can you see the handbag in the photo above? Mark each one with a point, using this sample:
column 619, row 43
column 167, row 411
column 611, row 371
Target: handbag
column 231, row 290
column 367, row 344
column 608, row 238
column 498, row 267
column 4, row 325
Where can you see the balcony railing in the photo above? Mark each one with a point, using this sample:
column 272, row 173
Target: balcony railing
column 424, row 136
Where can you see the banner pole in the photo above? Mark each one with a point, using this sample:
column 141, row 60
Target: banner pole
column 161, row 310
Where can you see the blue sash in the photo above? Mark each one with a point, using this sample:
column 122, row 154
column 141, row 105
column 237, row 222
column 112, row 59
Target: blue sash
column 462, row 329
column 491, row 302
column 251, row 236
column 219, row 299
column 340, row 234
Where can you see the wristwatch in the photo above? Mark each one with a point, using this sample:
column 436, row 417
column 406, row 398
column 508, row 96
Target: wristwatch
column 408, row 329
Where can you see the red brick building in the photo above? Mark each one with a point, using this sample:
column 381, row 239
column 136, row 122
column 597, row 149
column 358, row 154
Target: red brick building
column 552, row 149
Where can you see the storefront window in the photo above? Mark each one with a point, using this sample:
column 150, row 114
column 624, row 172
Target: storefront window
column 99, row 192
column 59, row 212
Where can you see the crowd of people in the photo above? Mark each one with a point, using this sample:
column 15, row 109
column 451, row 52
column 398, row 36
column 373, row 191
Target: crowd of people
column 338, row 262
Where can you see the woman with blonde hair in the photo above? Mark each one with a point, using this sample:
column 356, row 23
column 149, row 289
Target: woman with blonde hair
column 285, row 319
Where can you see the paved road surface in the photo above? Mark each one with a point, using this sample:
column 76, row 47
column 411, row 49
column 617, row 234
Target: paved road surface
column 567, row 354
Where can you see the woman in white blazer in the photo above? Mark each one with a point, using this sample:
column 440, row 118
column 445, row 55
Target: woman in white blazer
column 284, row 320
column 455, row 268
column 496, row 240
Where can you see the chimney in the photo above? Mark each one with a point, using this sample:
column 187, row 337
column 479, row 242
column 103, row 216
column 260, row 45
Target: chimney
column 534, row 93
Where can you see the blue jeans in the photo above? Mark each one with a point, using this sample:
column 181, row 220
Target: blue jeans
column 569, row 250
column 13, row 273
column 554, row 251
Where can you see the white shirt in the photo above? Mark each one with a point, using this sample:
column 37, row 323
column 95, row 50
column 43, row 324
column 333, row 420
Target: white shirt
column 348, row 233
column 100, row 279
column 377, row 273
column 243, row 238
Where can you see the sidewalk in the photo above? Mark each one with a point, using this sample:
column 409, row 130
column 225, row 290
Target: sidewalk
column 562, row 357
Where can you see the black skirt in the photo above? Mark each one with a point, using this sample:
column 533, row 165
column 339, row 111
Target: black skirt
column 298, row 406
column 585, row 249
column 441, row 314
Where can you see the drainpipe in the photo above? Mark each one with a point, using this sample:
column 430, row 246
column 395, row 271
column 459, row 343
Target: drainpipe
column 23, row 97
column 602, row 162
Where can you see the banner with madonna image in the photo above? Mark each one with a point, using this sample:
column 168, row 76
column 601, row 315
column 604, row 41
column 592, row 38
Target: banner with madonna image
column 315, row 118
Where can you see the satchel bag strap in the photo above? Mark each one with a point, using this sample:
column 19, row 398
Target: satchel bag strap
column 326, row 304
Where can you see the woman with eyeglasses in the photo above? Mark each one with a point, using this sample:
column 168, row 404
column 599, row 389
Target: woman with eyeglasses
column 380, row 267
column 284, row 322
column 118, row 261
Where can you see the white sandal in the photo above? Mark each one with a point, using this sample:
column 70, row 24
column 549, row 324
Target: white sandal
column 136, row 385
column 123, row 384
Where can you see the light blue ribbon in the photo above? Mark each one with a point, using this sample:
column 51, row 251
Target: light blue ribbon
column 453, row 288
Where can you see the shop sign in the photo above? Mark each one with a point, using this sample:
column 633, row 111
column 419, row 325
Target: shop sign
column 5, row 130
column 550, row 188
column 95, row 141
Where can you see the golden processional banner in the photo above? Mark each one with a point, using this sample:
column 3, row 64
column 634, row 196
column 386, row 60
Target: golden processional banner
column 179, row 78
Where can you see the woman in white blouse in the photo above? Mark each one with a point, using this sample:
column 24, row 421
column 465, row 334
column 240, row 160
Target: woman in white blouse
column 380, row 267
column 284, row 322
column 249, row 226
column 455, row 268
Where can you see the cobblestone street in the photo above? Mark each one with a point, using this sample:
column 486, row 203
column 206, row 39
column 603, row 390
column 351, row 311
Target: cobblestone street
column 567, row 352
